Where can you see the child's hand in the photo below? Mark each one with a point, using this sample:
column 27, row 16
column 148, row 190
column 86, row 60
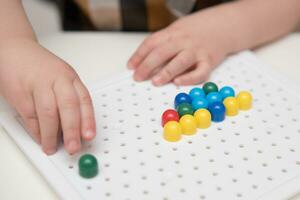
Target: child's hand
column 185, row 52
column 47, row 93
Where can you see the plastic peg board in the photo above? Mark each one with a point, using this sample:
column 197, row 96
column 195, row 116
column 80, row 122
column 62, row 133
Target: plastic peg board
column 255, row 155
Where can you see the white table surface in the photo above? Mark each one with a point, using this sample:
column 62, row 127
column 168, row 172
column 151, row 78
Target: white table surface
column 94, row 56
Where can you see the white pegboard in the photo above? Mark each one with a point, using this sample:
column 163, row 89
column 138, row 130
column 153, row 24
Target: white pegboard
column 255, row 155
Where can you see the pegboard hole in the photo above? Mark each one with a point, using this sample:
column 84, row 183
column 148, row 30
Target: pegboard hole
column 162, row 183
column 259, row 151
column 199, row 182
column 140, row 150
column 106, row 152
column 155, row 131
column 215, row 174
column 179, row 175
column 254, row 187
column 239, row 195
column 230, row 166
column 265, row 165
column 122, row 132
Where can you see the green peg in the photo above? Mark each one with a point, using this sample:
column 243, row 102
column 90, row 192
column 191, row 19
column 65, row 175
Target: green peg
column 88, row 166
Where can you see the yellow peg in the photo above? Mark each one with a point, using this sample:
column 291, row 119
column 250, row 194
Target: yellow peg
column 188, row 124
column 172, row 131
column 203, row 118
column 244, row 99
column 231, row 105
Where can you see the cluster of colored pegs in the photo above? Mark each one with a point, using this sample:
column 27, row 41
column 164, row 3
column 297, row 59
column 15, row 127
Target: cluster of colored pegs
column 201, row 106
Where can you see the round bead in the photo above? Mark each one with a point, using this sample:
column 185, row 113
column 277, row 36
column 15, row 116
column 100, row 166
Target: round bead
column 169, row 115
column 188, row 124
column 199, row 102
column 203, row 118
column 214, row 97
column 210, row 87
column 227, row 91
column 231, row 105
column 88, row 166
column 185, row 109
column 182, row 98
column 196, row 93
column 244, row 99
column 172, row 131
column 217, row 111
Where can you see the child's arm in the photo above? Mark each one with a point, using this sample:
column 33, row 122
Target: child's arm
column 187, row 50
column 45, row 90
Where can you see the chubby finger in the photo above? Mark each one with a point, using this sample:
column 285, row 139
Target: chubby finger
column 88, row 125
column 46, row 109
column 156, row 58
column 182, row 62
column 24, row 104
column 69, row 112
column 198, row 75
column 147, row 45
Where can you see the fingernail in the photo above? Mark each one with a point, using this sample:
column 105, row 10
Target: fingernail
column 89, row 134
column 129, row 65
column 177, row 82
column 137, row 77
column 50, row 151
column 157, row 80
column 73, row 146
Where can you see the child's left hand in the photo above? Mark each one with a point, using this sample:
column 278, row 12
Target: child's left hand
column 185, row 52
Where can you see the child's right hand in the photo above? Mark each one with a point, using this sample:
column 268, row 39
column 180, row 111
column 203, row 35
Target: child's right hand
column 47, row 93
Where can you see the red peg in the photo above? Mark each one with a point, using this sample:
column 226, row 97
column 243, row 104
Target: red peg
column 169, row 115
